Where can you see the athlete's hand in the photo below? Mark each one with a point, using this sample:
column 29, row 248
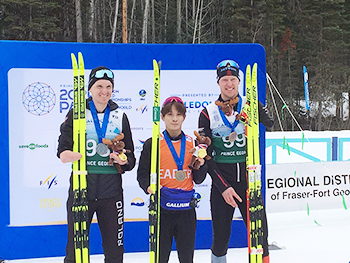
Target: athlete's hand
column 200, row 160
column 69, row 156
column 116, row 158
column 149, row 190
column 228, row 195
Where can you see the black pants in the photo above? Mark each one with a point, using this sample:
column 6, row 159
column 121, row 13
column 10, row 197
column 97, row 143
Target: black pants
column 222, row 213
column 182, row 226
column 110, row 216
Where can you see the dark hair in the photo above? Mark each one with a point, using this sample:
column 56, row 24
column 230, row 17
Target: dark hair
column 179, row 107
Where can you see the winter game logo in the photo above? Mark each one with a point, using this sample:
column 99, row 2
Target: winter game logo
column 38, row 98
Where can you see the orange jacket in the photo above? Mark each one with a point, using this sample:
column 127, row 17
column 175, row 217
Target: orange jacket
column 168, row 167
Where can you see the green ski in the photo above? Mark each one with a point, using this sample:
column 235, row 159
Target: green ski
column 154, row 207
column 80, row 205
column 254, row 195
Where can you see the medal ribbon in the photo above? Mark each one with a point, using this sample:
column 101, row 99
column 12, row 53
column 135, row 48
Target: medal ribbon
column 101, row 132
column 225, row 120
column 178, row 160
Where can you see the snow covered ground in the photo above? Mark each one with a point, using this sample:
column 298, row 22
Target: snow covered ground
column 320, row 237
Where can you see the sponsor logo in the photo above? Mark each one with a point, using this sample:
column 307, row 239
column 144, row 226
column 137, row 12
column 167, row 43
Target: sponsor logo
column 177, row 205
column 142, row 94
column 137, row 201
column 120, row 211
column 49, row 181
column 50, row 204
column 33, row 146
column 196, row 104
column 143, row 108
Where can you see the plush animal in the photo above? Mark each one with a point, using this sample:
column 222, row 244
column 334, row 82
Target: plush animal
column 227, row 106
column 202, row 143
column 117, row 146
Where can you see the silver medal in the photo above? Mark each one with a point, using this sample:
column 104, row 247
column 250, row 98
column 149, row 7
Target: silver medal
column 101, row 149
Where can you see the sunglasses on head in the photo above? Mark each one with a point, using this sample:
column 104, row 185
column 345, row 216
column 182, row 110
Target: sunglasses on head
column 228, row 62
column 99, row 74
column 171, row 99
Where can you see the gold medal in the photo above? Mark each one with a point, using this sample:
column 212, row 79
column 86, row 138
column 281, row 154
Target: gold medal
column 123, row 157
column 180, row 175
column 202, row 153
column 232, row 137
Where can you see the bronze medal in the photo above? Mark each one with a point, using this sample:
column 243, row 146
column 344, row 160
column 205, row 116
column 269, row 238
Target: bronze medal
column 232, row 137
column 101, row 149
column 180, row 175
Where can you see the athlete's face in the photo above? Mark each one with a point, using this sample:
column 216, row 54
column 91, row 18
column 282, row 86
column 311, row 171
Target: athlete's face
column 173, row 121
column 101, row 92
column 228, row 87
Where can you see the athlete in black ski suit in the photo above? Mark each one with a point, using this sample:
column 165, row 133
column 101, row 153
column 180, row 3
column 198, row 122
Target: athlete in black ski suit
column 228, row 167
column 104, row 183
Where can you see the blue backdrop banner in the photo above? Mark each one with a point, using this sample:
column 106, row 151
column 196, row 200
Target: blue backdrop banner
column 36, row 86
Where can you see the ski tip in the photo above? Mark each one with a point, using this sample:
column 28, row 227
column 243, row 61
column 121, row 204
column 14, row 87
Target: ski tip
column 156, row 65
column 249, row 67
column 73, row 57
column 81, row 63
column 80, row 56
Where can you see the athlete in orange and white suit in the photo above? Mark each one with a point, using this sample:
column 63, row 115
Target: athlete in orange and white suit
column 177, row 215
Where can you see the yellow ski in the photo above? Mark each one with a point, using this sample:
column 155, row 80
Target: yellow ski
column 255, row 206
column 80, row 205
column 154, row 208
